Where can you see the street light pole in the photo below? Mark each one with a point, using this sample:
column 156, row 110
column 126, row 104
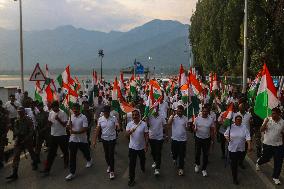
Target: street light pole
column 245, row 67
column 21, row 47
column 101, row 54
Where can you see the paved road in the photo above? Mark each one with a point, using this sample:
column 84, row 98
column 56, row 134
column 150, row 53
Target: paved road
column 96, row 177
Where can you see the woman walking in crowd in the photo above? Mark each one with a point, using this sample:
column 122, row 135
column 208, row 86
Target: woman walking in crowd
column 237, row 135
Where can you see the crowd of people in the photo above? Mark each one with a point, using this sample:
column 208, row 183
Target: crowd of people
column 36, row 125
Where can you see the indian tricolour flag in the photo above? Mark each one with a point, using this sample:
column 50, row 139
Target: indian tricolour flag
column 228, row 116
column 266, row 98
column 157, row 90
column 38, row 92
column 182, row 78
column 254, row 86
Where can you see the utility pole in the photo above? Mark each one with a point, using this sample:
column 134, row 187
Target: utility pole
column 245, row 60
column 21, row 47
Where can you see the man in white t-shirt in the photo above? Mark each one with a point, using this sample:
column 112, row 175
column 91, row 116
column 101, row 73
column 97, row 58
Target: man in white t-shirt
column 273, row 128
column 156, row 125
column 108, row 125
column 78, row 127
column 11, row 106
column 204, row 134
column 163, row 108
column 57, row 120
column 179, row 124
column 137, row 131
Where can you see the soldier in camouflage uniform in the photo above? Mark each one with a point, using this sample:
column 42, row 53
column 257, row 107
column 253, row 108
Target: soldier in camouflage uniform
column 42, row 129
column 23, row 133
column 4, row 119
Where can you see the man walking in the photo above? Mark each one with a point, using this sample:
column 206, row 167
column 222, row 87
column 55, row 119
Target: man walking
column 137, row 131
column 23, row 132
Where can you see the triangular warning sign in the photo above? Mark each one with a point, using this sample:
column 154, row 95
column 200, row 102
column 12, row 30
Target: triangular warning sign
column 37, row 74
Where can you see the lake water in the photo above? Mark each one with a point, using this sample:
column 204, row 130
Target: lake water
column 15, row 80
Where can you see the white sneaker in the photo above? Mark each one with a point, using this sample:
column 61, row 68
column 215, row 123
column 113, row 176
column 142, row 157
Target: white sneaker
column 111, row 175
column 204, row 173
column 89, row 163
column 257, row 167
column 180, row 172
column 70, row 176
column 157, row 172
column 196, row 168
column 154, row 165
column 108, row 169
column 276, row 181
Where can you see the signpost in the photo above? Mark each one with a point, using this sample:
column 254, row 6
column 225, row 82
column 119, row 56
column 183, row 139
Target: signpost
column 37, row 74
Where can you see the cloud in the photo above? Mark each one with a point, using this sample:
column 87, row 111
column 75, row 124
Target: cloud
column 103, row 15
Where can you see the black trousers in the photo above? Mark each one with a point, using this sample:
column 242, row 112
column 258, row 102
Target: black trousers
column 109, row 147
column 73, row 147
column 235, row 158
column 204, row 146
column 223, row 143
column 178, row 152
column 132, row 161
column 55, row 141
column 156, row 151
column 277, row 152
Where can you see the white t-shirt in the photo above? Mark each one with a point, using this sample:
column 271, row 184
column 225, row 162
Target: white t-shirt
column 163, row 109
column 56, row 128
column 11, row 109
column 156, row 127
column 273, row 135
column 77, row 124
column 108, row 127
column 238, row 137
column 203, row 126
column 137, row 138
column 179, row 128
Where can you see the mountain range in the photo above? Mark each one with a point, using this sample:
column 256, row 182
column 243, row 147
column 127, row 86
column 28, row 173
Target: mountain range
column 162, row 40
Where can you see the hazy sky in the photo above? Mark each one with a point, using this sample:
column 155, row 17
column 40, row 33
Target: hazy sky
column 102, row 15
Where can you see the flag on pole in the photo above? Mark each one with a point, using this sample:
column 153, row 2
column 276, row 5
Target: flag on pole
column 182, row 78
column 266, row 98
column 157, row 90
column 227, row 116
column 38, row 92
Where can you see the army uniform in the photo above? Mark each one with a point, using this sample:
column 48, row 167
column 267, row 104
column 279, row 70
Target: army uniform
column 3, row 133
column 42, row 131
column 23, row 133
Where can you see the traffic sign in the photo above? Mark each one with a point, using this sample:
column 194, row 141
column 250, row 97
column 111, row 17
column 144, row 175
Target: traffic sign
column 37, row 74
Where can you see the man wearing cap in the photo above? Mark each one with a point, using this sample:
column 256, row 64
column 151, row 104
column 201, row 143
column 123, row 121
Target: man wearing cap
column 107, row 125
column 137, row 131
column 78, row 127
column 23, row 132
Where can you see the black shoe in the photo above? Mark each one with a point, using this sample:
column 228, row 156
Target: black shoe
column 13, row 176
column 131, row 182
column 242, row 166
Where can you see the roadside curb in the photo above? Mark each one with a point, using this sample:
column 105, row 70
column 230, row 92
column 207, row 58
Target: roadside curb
column 261, row 175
